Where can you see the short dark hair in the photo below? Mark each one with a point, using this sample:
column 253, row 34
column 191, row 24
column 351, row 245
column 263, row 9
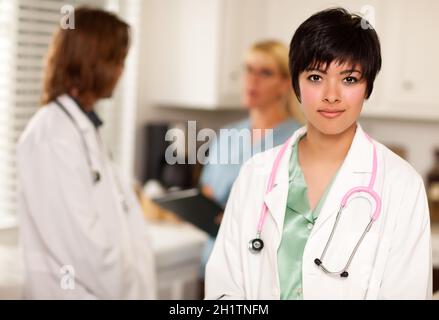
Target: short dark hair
column 335, row 35
column 86, row 58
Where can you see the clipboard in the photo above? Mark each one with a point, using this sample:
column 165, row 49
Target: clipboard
column 192, row 206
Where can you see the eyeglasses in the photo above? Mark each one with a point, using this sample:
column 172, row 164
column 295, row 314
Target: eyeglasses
column 263, row 73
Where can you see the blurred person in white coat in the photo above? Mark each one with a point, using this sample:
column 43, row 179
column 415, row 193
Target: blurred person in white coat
column 331, row 214
column 82, row 229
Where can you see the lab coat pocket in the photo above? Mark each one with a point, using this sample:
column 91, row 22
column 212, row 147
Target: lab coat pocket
column 361, row 267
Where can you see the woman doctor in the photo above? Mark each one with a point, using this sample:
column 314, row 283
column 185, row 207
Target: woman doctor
column 83, row 233
column 331, row 214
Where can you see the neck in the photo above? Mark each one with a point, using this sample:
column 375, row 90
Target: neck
column 328, row 148
column 87, row 101
column 268, row 117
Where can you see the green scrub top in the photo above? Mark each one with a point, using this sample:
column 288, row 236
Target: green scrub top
column 298, row 224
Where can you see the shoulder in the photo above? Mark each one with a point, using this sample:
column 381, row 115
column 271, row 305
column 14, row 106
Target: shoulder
column 48, row 125
column 233, row 127
column 396, row 168
column 240, row 124
column 288, row 126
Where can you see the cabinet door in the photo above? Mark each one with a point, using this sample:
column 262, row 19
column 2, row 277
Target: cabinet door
column 285, row 16
column 412, row 57
column 181, row 51
column 244, row 23
column 196, row 49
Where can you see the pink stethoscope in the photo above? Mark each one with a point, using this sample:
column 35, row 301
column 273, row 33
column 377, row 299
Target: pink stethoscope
column 256, row 245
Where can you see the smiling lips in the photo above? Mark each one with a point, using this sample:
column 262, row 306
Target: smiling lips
column 330, row 113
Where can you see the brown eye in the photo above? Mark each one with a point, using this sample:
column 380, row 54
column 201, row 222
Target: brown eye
column 314, row 78
column 351, row 80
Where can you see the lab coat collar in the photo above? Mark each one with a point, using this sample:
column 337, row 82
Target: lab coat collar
column 357, row 163
column 85, row 120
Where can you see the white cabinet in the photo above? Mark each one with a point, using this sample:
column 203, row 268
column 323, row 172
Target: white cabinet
column 409, row 60
column 195, row 50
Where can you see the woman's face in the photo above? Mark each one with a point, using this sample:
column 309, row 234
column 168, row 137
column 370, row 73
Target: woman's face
column 332, row 100
column 118, row 71
column 264, row 84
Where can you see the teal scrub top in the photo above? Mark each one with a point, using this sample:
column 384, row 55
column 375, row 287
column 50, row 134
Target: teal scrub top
column 298, row 224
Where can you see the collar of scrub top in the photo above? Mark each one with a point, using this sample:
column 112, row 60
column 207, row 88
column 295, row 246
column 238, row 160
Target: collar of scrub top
column 91, row 115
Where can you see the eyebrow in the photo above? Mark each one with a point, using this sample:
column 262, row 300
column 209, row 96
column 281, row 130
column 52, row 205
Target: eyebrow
column 349, row 71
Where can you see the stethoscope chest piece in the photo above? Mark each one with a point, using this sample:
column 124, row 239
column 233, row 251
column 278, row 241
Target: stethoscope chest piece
column 256, row 245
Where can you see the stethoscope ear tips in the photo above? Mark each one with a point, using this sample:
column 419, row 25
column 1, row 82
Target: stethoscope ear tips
column 344, row 274
column 318, row 262
column 255, row 245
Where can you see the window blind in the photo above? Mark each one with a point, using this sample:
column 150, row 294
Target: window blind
column 26, row 29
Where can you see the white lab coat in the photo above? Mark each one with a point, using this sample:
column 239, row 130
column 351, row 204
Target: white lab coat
column 70, row 228
column 393, row 261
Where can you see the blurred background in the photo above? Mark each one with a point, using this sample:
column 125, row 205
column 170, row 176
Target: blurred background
column 186, row 63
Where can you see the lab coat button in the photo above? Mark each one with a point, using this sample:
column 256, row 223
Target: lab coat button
column 310, row 226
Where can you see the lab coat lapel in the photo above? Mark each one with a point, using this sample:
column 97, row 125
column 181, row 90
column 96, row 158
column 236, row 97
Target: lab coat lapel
column 355, row 171
column 87, row 129
column 74, row 110
column 276, row 199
